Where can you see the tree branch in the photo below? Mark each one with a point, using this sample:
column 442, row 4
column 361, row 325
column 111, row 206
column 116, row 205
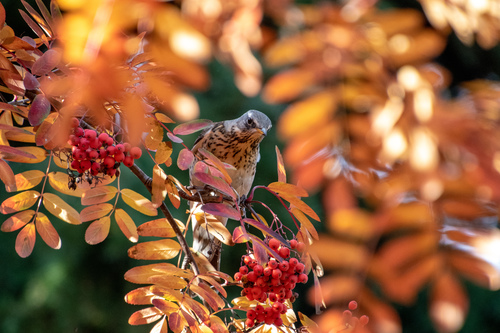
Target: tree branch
column 147, row 181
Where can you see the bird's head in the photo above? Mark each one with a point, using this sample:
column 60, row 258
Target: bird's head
column 255, row 122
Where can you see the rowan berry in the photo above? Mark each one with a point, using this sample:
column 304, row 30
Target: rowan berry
column 119, row 147
column 284, row 252
column 243, row 270
column 74, row 122
column 109, row 162
column 103, row 137
column 111, row 150
column 363, row 320
column 90, row 134
column 79, row 132
column 301, row 247
column 303, row 278
column 128, row 161
column 251, row 314
column 249, row 322
column 119, row 156
column 283, row 266
column 353, row 305
column 252, row 277
column 75, row 164
column 274, row 244
column 299, row 268
column 238, row 276
column 258, row 269
column 110, row 141
column 135, row 152
column 272, row 264
column 293, row 243
column 86, row 164
column 273, row 297
column 278, row 321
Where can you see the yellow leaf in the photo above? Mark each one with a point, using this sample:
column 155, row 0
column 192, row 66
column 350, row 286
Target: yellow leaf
column 138, row 202
column 17, row 221
column 158, row 189
column 27, row 179
column 154, row 136
column 288, row 85
column 163, row 118
column 26, row 135
column 47, row 232
column 60, row 208
column 59, row 182
column 98, row 231
column 168, row 281
column 304, row 221
column 173, row 193
column 95, row 212
column 39, row 153
column 155, row 250
column 25, row 240
column 98, row 195
column 18, row 202
column 127, row 225
column 156, row 228
column 217, row 325
column 163, row 152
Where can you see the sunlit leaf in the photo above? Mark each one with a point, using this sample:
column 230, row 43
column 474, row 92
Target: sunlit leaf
column 265, row 229
column 185, row 159
column 25, row 240
column 158, row 189
column 290, row 189
column 145, row 316
column 95, row 212
column 31, row 155
column 155, row 250
column 300, row 205
column 17, row 221
column 59, row 182
column 163, row 152
column 163, row 118
column 138, row 202
column 240, row 235
column 173, row 193
column 142, row 274
column 126, row 224
column 18, row 202
column 221, row 209
column 208, row 295
column 27, row 179
column 165, row 306
column 156, row 228
column 160, row 327
column 168, row 281
column 7, row 176
column 47, row 231
column 39, row 110
column 10, row 153
column 176, row 322
column 139, row 296
column 214, row 284
column 200, row 310
column 304, row 221
column 154, row 136
column 60, row 208
column 281, row 166
column 217, row 163
column 97, row 231
column 306, row 321
column 99, row 194
column 216, row 182
column 192, row 126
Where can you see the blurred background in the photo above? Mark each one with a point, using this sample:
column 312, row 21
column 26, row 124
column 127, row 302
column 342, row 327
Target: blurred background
column 80, row 288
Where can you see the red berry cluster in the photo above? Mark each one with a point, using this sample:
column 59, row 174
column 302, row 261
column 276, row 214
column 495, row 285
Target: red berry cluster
column 352, row 320
column 274, row 281
column 97, row 152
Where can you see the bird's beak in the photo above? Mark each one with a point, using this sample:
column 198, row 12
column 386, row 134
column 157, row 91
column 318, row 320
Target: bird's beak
column 263, row 131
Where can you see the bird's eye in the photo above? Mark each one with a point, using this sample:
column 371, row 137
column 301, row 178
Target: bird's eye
column 250, row 122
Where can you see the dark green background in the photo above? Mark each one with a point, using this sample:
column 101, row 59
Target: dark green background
column 80, row 288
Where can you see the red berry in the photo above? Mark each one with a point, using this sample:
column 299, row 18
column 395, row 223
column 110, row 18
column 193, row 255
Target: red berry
column 103, row 137
column 363, row 320
column 293, row 262
column 274, row 244
column 353, row 305
column 256, row 292
column 90, row 134
column 120, row 147
column 278, row 322
column 293, row 243
column 283, row 266
column 238, row 276
column 249, row 322
column 301, row 247
column 110, row 141
column 109, row 162
column 135, row 152
column 79, row 131
column 260, row 318
column 86, row 164
column 273, row 297
column 93, row 154
column 268, row 271
column 299, row 268
column 84, row 144
column 94, row 144
column 111, row 172
column 259, row 309
column 111, row 150
column 96, row 166
column 276, row 274
column 102, row 153
column 75, row 164
column 251, row 314
column 128, row 161
column 119, row 156
column 278, row 306
column 251, row 277
column 74, row 122
column 258, row 269
column 293, row 279
column 303, row 278
column 247, row 259
column 127, row 146
column 284, row 252
column 243, row 270
column 272, row 264
column 347, row 315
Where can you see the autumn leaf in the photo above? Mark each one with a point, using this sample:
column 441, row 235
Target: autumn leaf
column 176, row 322
column 17, row 221
column 27, row 180
column 286, row 188
column 138, row 202
column 25, row 240
column 192, row 126
column 158, row 189
column 127, row 225
column 27, row 154
column 163, row 152
column 208, row 295
column 266, row 230
column 47, row 231
column 165, row 306
column 99, row 194
column 39, row 110
column 173, row 193
column 216, row 182
column 221, row 209
column 185, row 159
column 145, row 316
column 60, row 208
column 156, row 228
column 19, row 202
column 155, row 250
column 97, row 231
column 59, row 182
column 7, row 176
column 142, row 274
column 281, row 166
column 166, row 281
column 95, row 212
column 139, row 296
column 13, row 154
column 174, row 138
column 217, row 163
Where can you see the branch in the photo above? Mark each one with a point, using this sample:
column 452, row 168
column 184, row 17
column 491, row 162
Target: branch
column 147, row 181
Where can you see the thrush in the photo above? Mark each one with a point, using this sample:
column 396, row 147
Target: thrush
column 235, row 142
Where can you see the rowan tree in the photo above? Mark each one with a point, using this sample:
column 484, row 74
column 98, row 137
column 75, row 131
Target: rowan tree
column 408, row 169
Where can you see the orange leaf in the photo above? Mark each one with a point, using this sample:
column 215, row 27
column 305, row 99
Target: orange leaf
column 98, row 231
column 214, row 283
column 39, row 153
column 17, row 221
column 138, row 202
column 139, row 296
column 60, row 208
column 98, row 195
column 18, row 202
column 25, row 240
column 281, row 166
column 145, row 316
column 156, row 228
column 154, row 136
column 163, row 152
column 59, row 182
column 165, row 306
column 290, row 189
column 168, row 281
column 142, row 274
column 349, row 256
column 158, row 189
column 300, row 205
column 287, row 85
column 27, row 179
column 155, row 250
column 95, row 212
column 216, row 182
column 217, row 163
column 208, row 295
column 217, row 325
column 7, row 176
column 176, row 322
column 304, row 221
column 201, row 312
column 173, row 193
column 127, row 225
column 160, row 327
column 47, row 232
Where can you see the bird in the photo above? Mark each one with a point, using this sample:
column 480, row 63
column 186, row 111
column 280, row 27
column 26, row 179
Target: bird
column 234, row 142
